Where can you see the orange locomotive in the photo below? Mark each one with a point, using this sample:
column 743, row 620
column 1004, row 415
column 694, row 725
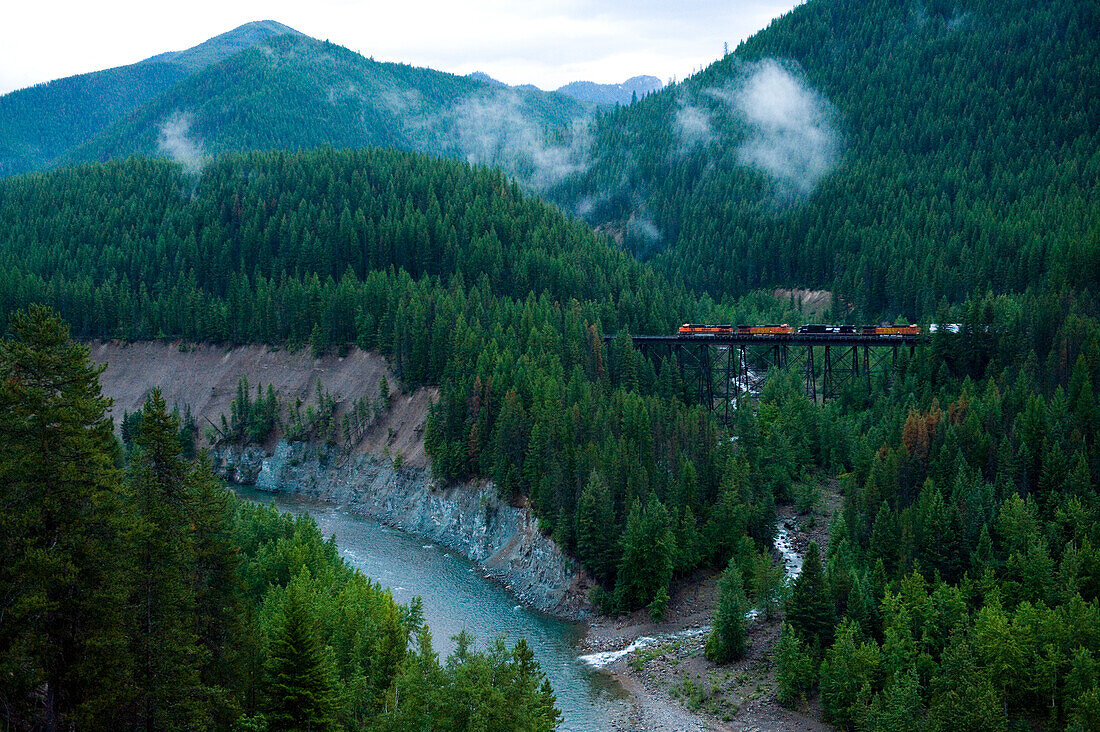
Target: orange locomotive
column 764, row 329
column 705, row 330
column 891, row 330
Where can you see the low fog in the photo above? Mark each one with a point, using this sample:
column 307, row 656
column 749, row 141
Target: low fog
column 175, row 141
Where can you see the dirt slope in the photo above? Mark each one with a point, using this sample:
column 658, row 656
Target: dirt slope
column 205, row 378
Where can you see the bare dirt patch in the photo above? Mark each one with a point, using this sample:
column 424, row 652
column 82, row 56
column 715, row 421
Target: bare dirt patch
column 204, row 378
column 813, row 303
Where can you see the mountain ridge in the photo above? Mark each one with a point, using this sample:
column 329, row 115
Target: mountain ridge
column 636, row 87
column 264, row 85
column 40, row 123
column 223, row 45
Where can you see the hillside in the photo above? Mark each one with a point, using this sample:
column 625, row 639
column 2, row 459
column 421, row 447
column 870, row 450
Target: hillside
column 42, row 122
column 900, row 154
column 879, row 160
column 224, row 45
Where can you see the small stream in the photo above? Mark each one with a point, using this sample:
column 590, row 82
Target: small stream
column 792, row 563
column 457, row 596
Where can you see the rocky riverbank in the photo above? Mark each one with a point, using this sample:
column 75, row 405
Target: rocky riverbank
column 468, row 518
column 663, row 665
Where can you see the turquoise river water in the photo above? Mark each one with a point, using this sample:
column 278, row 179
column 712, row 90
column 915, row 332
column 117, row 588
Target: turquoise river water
column 456, row 595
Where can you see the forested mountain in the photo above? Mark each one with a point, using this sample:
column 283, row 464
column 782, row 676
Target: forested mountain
column 962, row 581
column 224, row 45
column 899, row 152
column 40, row 123
column 265, row 86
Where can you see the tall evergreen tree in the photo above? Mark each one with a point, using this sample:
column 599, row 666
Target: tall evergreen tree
column 649, row 548
column 167, row 651
column 63, row 658
column 809, row 609
column 728, row 639
column 299, row 673
column 595, row 528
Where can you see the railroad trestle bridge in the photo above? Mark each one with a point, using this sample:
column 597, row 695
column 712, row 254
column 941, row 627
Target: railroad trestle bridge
column 724, row 367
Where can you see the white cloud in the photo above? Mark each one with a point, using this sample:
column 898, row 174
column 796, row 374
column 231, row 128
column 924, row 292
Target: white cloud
column 494, row 129
column 176, row 141
column 693, row 126
column 791, row 133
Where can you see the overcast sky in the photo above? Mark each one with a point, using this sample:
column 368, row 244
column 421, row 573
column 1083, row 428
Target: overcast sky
column 543, row 42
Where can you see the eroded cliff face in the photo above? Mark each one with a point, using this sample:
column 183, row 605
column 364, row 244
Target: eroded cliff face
column 468, row 518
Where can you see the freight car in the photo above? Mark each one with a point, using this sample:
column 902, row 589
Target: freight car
column 821, row 329
column 775, row 329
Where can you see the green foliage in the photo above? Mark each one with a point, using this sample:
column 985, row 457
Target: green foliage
column 769, row 584
column 796, row 671
column 253, row 420
column 299, row 674
column 63, row 657
column 495, row 689
column 809, row 610
column 849, row 673
column 649, row 547
column 166, row 648
column 658, row 606
column 900, row 707
column 728, row 639
column 596, row 543
column 318, row 420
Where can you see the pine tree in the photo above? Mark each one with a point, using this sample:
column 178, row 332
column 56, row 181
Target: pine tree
column 728, row 639
column 809, row 610
column 795, row 670
column 219, row 591
column 595, row 521
column 769, row 584
column 166, row 647
column 649, row 549
column 848, row 673
column 299, row 674
column 899, row 707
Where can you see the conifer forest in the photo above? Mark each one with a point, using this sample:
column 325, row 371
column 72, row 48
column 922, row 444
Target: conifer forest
column 881, row 162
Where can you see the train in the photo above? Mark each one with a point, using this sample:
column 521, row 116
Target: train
column 699, row 329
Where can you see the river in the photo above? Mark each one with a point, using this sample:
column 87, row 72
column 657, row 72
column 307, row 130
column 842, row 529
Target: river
column 456, row 596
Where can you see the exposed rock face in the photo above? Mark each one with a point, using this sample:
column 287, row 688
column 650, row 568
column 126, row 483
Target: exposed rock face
column 467, row 518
